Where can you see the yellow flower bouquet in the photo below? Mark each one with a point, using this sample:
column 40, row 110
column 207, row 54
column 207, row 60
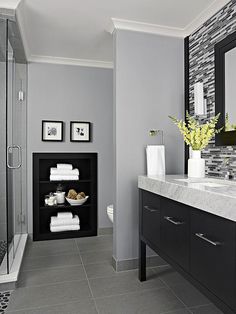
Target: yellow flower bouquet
column 195, row 134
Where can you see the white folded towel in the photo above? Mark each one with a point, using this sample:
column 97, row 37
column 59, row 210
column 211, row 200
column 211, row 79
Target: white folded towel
column 66, row 172
column 64, row 228
column 61, row 177
column 58, row 221
column 65, row 166
column 65, row 215
column 155, row 160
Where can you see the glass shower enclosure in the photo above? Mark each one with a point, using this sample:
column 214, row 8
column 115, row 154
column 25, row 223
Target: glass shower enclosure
column 13, row 87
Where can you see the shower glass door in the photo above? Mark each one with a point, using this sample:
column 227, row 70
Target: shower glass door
column 16, row 144
column 3, row 127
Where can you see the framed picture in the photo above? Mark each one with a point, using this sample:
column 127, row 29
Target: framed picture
column 52, row 131
column 80, row 131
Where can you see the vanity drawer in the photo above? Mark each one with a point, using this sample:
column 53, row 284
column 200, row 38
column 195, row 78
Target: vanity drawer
column 175, row 230
column 213, row 254
column 150, row 220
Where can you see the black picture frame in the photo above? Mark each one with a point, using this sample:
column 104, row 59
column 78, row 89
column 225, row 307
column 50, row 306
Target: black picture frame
column 46, row 138
column 80, row 138
column 223, row 138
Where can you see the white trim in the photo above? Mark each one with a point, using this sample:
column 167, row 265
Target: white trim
column 15, row 268
column 204, row 16
column 144, row 28
column 70, row 61
column 166, row 30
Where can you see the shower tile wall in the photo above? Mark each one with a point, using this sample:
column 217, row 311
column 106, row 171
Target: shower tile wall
column 201, row 68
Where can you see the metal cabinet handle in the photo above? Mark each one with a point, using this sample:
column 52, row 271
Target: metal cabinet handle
column 170, row 219
column 150, row 209
column 19, row 156
column 204, row 238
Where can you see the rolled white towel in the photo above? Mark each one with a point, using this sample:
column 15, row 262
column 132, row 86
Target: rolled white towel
column 67, row 215
column 57, row 221
column 64, row 228
column 61, row 177
column 68, row 172
column 65, row 166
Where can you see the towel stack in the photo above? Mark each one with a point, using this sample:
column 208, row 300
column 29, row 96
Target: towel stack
column 64, row 172
column 64, row 222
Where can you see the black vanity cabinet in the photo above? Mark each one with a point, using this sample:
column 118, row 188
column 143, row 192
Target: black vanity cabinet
column 175, row 231
column 200, row 245
column 151, row 218
column 213, row 254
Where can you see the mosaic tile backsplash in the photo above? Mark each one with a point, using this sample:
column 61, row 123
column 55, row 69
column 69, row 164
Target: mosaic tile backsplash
column 201, row 68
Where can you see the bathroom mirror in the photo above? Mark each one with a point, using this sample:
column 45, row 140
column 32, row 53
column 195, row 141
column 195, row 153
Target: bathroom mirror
column 225, row 89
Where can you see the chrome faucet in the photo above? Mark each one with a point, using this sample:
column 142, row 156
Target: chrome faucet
column 226, row 164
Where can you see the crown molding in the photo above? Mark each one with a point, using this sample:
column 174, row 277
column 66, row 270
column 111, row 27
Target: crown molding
column 12, row 5
column 143, row 28
column 204, row 16
column 70, row 61
column 129, row 25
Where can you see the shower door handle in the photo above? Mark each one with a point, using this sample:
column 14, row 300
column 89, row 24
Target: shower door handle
column 12, row 147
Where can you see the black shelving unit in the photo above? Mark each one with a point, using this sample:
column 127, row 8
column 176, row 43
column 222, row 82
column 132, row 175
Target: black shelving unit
column 87, row 165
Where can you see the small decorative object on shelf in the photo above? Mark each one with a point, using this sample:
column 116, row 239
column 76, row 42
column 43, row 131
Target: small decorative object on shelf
column 76, row 199
column 197, row 136
column 52, row 131
column 60, row 194
column 80, row 131
column 50, row 200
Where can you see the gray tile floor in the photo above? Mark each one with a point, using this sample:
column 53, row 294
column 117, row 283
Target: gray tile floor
column 76, row 277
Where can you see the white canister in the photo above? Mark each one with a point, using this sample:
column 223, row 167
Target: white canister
column 196, row 165
column 60, row 196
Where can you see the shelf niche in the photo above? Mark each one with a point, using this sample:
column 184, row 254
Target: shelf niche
column 87, row 165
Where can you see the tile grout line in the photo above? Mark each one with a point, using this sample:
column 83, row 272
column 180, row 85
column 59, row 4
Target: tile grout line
column 185, row 305
column 174, row 293
column 87, row 277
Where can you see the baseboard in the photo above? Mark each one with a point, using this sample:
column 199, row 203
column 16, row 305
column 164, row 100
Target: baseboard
column 105, row 231
column 152, row 261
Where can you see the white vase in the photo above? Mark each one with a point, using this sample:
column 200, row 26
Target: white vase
column 196, row 165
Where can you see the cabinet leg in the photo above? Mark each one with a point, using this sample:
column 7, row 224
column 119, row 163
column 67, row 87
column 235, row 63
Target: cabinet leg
column 142, row 261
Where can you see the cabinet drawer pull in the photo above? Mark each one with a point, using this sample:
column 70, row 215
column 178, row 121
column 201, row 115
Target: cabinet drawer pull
column 171, row 220
column 150, row 209
column 204, row 238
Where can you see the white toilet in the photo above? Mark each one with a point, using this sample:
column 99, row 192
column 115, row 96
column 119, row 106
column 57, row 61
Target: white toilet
column 110, row 209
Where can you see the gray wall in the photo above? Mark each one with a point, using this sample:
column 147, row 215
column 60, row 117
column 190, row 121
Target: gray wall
column 148, row 88
column 60, row 92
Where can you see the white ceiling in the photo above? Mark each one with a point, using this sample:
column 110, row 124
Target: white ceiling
column 75, row 30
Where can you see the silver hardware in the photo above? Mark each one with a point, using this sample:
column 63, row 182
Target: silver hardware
column 171, row 220
column 150, row 209
column 204, row 238
column 154, row 132
column 12, row 147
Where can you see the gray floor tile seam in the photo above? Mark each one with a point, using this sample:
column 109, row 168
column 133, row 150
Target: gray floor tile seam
column 47, row 268
column 171, row 312
column 26, row 256
column 191, row 308
column 95, row 250
column 185, row 306
column 52, row 284
column 91, row 291
column 46, row 306
column 129, row 293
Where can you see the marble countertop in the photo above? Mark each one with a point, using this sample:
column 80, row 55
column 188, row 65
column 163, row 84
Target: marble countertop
column 215, row 196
